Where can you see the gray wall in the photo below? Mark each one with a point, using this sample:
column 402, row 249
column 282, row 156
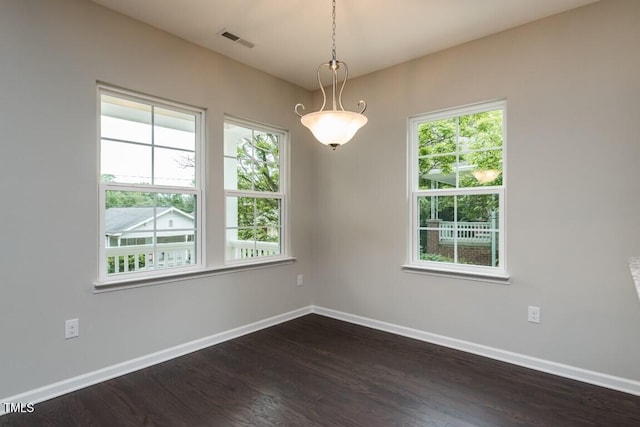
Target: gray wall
column 573, row 193
column 51, row 55
column 572, row 83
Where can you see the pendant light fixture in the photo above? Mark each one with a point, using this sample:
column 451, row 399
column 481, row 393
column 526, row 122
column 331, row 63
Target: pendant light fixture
column 336, row 126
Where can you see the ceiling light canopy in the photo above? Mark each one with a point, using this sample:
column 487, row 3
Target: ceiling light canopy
column 336, row 126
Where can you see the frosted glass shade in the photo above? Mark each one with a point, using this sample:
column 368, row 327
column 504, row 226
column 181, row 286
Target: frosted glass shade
column 334, row 127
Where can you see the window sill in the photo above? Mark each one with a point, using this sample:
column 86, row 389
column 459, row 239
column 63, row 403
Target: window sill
column 501, row 279
column 117, row 285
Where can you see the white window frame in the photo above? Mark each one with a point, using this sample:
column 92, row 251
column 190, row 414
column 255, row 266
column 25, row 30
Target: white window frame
column 415, row 263
column 198, row 191
column 282, row 194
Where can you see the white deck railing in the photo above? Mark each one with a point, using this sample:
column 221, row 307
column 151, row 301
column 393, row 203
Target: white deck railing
column 125, row 259
column 241, row 249
column 477, row 232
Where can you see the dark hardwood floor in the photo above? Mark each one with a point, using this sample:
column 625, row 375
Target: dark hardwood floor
column 317, row 371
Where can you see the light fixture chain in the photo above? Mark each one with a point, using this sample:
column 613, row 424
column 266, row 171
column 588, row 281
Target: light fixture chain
column 333, row 49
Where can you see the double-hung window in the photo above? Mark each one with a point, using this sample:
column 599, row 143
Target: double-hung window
column 457, row 189
column 255, row 191
column 151, row 186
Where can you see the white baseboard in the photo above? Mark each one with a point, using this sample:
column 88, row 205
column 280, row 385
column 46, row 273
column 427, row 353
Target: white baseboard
column 76, row 383
column 566, row 371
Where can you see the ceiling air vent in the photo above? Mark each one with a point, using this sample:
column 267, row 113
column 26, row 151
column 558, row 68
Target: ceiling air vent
column 237, row 39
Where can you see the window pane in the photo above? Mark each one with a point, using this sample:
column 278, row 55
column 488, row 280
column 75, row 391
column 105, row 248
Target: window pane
column 135, row 252
column 481, row 168
column 255, row 161
column 129, row 229
column 267, row 162
column 247, row 236
column 479, row 252
column 468, row 237
column 437, row 153
column 138, row 231
column 169, row 254
column 238, row 152
column 125, row 120
column 463, row 152
column 246, row 213
column 184, row 202
column 125, row 163
column 253, row 227
column 267, row 212
column 476, row 229
column 249, row 247
column 435, row 209
column 436, row 231
column 174, row 129
column 481, row 145
column 271, row 246
column 233, row 134
column 267, row 147
column 437, row 137
column 266, row 177
column 437, row 171
column 244, row 172
column 176, row 230
column 129, row 199
column 240, row 249
column 231, row 214
column 174, row 167
column 431, row 248
column 129, row 214
column 230, row 173
column 130, row 121
column 253, row 212
column 481, row 130
column 481, row 208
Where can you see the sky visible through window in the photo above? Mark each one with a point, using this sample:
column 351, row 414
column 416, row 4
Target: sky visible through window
column 134, row 151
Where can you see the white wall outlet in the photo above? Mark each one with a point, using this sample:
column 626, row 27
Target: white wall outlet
column 300, row 280
column 533, row 314
column 71, row 328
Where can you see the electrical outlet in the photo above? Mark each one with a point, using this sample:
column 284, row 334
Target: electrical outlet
column 300, row 280
column 533, row 314
column 71, row 328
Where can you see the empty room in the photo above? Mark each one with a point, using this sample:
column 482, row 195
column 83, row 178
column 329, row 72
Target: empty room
column 210, row 219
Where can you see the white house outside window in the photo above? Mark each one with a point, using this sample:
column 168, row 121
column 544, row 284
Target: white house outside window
column 151, row 189
column 457, row 189
column 255, row 191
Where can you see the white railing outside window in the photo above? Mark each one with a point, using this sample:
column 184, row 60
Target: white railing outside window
column 127, row 259
column 243, row 249
column 477, row 232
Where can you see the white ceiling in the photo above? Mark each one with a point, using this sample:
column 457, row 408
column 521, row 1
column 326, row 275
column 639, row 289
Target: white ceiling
column 292, row 37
